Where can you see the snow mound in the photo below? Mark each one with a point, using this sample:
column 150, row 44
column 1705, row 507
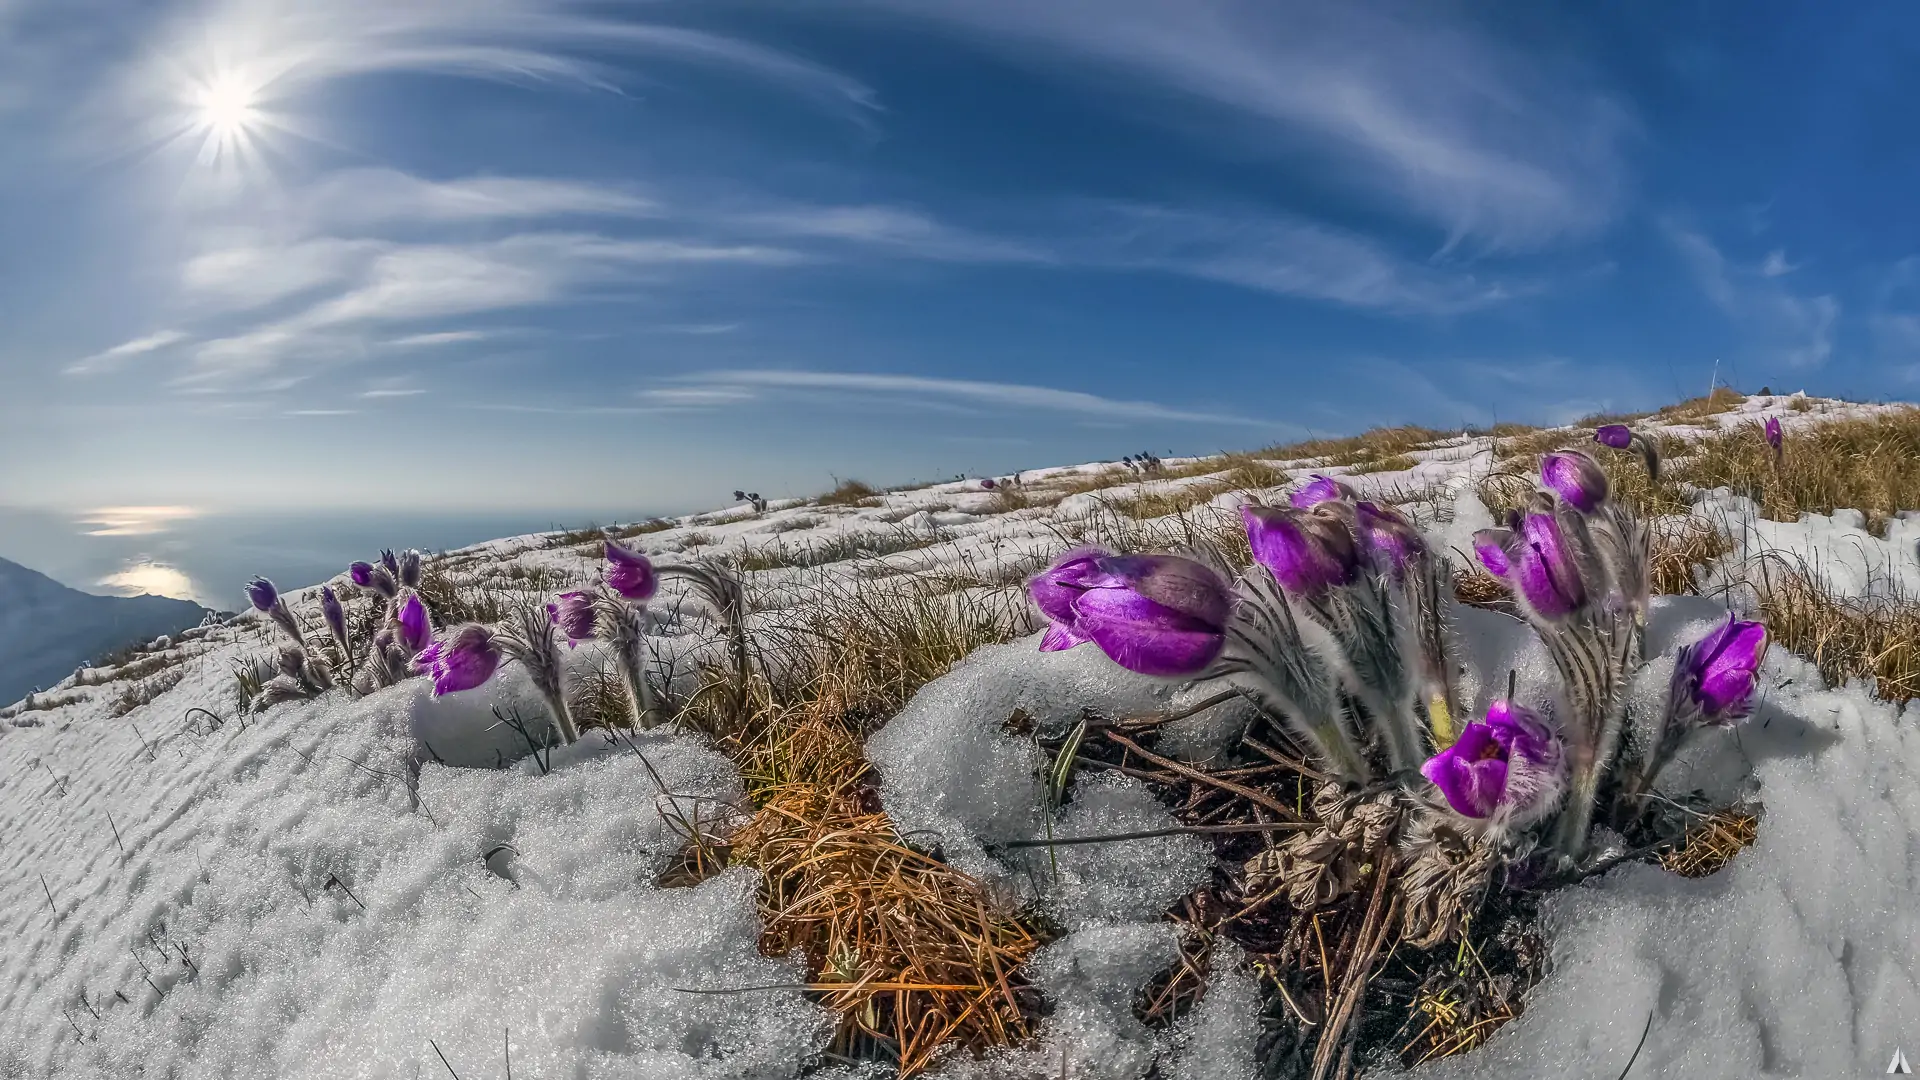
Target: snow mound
column 282, row 910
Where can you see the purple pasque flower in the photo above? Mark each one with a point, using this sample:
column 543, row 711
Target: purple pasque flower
column 1309, row 551
column 1617, row 436
column 574, row 613
column 335, row 615
column 1537, row 561
column 261, row 594
column 409, row 571
column 1717, row 674
column 416, row 630
column 1319, row 489
column 1154, row 614
column 391, row 561
column 361, row 573
column 630, row 573
column 989, row 483
column 460, row 659
column 1510, row 764
column 1387, row 535
column 1776, row 437
column 1576, row 478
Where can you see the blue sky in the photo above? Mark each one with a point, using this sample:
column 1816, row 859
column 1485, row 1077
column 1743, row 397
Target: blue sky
column 612, row 258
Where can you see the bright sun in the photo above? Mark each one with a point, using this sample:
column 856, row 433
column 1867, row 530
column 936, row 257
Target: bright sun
column 227, row 117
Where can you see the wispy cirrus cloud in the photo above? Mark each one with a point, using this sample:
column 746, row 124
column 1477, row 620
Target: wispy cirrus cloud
column 280, row 49
column 107, row 359
column 1280, row 254
column 363, row 197
column 1512, row 147
column 437, row 281
column 1781, row 324
column 735, row 386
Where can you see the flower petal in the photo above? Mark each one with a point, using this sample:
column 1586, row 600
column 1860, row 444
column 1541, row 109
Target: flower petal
column 1143, row 635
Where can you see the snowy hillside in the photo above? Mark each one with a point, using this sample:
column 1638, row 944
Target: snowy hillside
column 389, row 885
column 47, row 629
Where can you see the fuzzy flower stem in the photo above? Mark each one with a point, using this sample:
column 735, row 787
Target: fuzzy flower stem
column 530, row 641
column 626, row 623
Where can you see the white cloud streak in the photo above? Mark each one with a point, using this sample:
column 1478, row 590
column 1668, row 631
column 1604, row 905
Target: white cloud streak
column 1782, row 326
column 111, row 358
column 1281, row 255
column 725, row 387
column 281, row 48
column 1510, row 147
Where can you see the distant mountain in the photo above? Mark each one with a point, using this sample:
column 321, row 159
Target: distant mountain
column 47, row 629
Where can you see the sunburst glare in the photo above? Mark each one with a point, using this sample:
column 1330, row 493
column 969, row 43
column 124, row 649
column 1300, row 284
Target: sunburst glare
column 226, row 117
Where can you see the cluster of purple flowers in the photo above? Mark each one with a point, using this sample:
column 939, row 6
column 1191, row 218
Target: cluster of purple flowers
column 1339, row 631
column 467, row 656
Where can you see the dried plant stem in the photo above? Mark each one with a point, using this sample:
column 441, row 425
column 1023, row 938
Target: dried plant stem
column 1380, row 917
column 1147, row 834
column 1286, row 812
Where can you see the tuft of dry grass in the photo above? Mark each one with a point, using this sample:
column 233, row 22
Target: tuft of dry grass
column 1712, row 843
column 1391, row 463
column 641, row 528
column 1875, row 637
column 1367, row 446
column 847, row 493
column 451, row 601
column 911, row 953
column 1682, row 547
column 1722, row 399
column 144, row 691
column 1871, row 464
column 837, row 548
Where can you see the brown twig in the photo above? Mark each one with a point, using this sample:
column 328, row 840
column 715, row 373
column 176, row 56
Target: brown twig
column 1358, row 971
column 1146, row 834
column 1286, row 812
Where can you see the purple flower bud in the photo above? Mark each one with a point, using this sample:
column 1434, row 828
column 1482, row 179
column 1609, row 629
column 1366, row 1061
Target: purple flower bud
column 1618, row 436
column 409, row 574
column 262, row 594
column 1776, row 438
column 1388, row 536
column 1318, row 490
column 1543, row 568
column 1511, row 762
column 1535, row 561
column 574, row 614
column 415, row 629
column 335, row 615
column 361, row 573
column 1154, row 614
column 1576, row 478
column 1309, row 551
column 462, row 659
column 391, row 562
column 1491, row 546
column 989, row 483
column 630, row 573
column 1717, row 674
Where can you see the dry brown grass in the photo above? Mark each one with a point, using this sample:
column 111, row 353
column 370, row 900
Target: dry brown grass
column 1367, row 446
column 1845, row 637
column 1711, row 843
column 144, row 691
column 1871, row 464
column 1722, row 399
column 911, row 953
column 1682, row 547
column 1391, row 463
column 847, row 493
